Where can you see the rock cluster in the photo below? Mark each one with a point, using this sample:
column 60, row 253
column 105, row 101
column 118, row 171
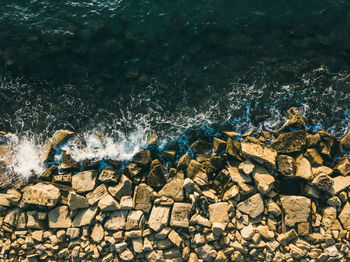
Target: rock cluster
column 239, row 198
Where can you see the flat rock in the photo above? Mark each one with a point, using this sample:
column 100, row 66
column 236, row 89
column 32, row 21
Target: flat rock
column 76, row 201
column 159, row 217
column 156, row 177
column 96, row 195
column 123, row 188
column 97, row 233
column 84, row 181
column 286, row 165
column 218, row 212
column 108, row 203
column 289, row 142
column 344, row 216
column 263, row 179
column 254, row 150
column 116, row 221
column 296, row 208
column 85, row 217
column 180, row 215
column 41, row 194
column 142, row 197
column 303, row 168
column 340, row 183
column 197, row 173
column 174, row 188
column 59, row 217
column 343, row 166
column 135, row 220
column 252, row 206
column 108, row 175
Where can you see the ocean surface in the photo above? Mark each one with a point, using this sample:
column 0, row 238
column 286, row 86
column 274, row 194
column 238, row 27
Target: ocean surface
column 115, row 72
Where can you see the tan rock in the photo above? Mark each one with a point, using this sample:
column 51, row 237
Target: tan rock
column 41, row 194
column 345, row 141
column 329, row 216
column 175, row 238
column 108, row 203
column 97, row 233
column 237, row 176
column 116, row 221
column 96, row 195
column 314, row 157
column 84, row 181
column 219, row 145
column 156, row 176
column 135, row 220
column 303, row 168
column 108, row 175
column 263, row 179
column 84, row 217
column 61, row 136
column 183, row 162
column 197, row 173
column 232, row 192
column 142, row 158
column 297, row 209
column 123, row 188
column 340, row 183
column 218, row 212
column 174, row 188
column 344, row 216
column 343, row 166
column 289, row 142
column 159, row 217
column 286, row 165
column 59, row 217
column 252, row 206
column 76, row 201
column 234, row 148
column 323, row 182
column 142, row 197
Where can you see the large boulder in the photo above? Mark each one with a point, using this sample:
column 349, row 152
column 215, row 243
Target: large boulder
column 159, row 217
column 123, row 188
column 180, row 215
column 143, row 197
column 41, row 194
column 289, row 142
column 254, row 150
column 303, row 168
column 340, row 183
column 84, row 181
column 297, row 209
column 174, row 188
column 84, row 217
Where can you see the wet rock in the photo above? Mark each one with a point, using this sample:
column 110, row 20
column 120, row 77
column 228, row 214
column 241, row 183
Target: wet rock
column 303, row 168
column 108, row 175
column 123, row 188
column 142, row 198
column 264, row 181
column 286, row 165
column 340, row 183
column 41, row 194
column 252, row 206
column 156, row 177
column 159, row 217
column 219, row 145
column 96, row 195
column 254, row 150
column 116, row 221
column 108, row 203
column 62, row 178
column 61, row 136
column 344, row 216
column 295, row 121
column 314, row 157
column 132, row 170
column 343, row 166
column 59, row 217
column 84, row 217
column 197, row 173
column 84, row 181
column 180, row 215
column 345, row 142
column 323, row 182
column 221, row 181
column 202, row 148
column 234, row 149
column 68, row 163
column 142, row 158
column 174, row 188
column 328, row 144
column 289, row 142
column 296, row 208
column 48, row 152
column 183, row 162
column 76, row 201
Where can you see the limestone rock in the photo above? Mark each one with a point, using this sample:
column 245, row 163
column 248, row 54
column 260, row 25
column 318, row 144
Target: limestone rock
column 303, row 168
column 252, row 206
column 323, row 182
column 246, row 167
column 265, row 182
column 156, row 176
column 289, row 142
column 41, row 194
column 116, row 221
column 286, row 165
column 76, row 201
column 345, row 142
column 108, row 203
column 84, row 217
column 296, row 208
column 197, row 173
column 232, row 192
column 340, row 183
column 59, row 217
column 159, row 217
column 218, row 212
column 142, row 198
column 255, row 150
column 343, row 166
column 174, row 188
column 123, row 188
column 248, row 232
column 180, row 215
column 344, row 216
column 96, row 195
column 237, row 176
column 97, row 233
column 84, row 181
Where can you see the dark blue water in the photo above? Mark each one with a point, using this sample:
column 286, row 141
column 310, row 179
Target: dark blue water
column 184, row 69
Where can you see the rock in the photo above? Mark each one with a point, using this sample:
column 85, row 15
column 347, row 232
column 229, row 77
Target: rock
column 287, row 237
column 340, row 183
column 96, row 195
column 48, row 152
column 323, row 182
column 135, row 220
column 254, row 150
column 221, row 181
column 174, row 188
column 61, row 136
column 321, row 169
column 218, row 212
column 37, row 235
column 234, row 149
column 59, row 217
column 97, row 233
column 180, row 215
column 314, row 157
column 183, row 162
column 108, row 175
column 344, row 216
column 126, row 203
column 231, row 193
column 252, row 206
column 142, row 158
column 246, row 167
column 248, row 232
column 328, row 144
column 84, row 181
column 68, row 163
column 76, row 201
column 41, row 194
column 123, row 188
column 175, row 238
column 197, row 173
column 108, row 203
column 296, row 252
column 312, row 191
column 159, row 217
column 264, row 181
column 286, row 165
column 11, row 217
column 289, row 142
column 84, row 217
column 219, row 145
column 12, row 197
column 156, row 177
column 295, row 120
column 201, row 148
column 345, row 141
column 32, row 220
column 132, row 170
column 126, row 255
column 343, row 166
column 329, row 216
column 296, row 208
column 116, row 221
column 237, row 176
column 142, row 198
column 303, row 168
column 274, row 209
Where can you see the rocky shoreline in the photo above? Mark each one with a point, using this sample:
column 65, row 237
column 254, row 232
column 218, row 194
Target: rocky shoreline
column 251, row 197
